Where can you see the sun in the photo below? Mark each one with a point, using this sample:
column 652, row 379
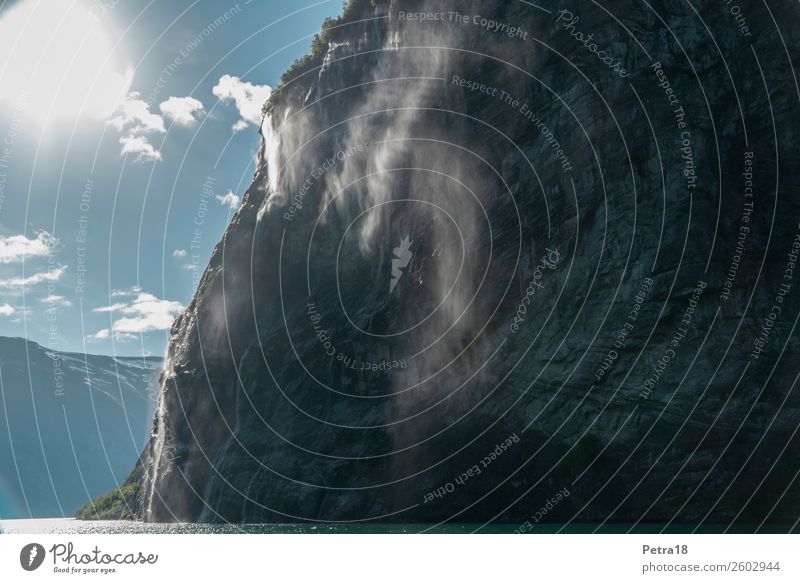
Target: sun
column 56, row 61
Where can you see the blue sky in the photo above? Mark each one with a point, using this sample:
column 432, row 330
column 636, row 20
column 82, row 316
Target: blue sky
column 128, row 130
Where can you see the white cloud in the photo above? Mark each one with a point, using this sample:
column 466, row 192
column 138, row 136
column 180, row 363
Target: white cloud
column 111, row 308
column 121, row 293
column 105, row 334
column 50, row 275
column 135, row 120
column 6, row 310
column 146, row 313
column 144, row 150
column 229, row 200
column 181, row 110
column 248, row 98
column 135, row 115
column 99, row 335
column 179, row 253
column 55, row 300
column 18, row 247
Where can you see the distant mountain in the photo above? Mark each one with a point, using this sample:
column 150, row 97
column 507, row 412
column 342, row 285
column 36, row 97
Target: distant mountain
column 71, row 425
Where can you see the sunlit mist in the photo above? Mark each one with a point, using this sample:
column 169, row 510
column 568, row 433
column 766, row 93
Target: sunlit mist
column 57, row 61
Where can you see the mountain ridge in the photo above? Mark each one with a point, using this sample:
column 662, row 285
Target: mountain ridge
column 73, row 425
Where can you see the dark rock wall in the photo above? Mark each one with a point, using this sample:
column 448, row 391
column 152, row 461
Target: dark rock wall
column 572, row 224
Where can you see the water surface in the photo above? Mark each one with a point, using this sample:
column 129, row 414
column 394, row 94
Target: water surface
column 73, row 526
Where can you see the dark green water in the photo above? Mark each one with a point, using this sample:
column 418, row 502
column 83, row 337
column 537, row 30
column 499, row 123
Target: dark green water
column 70, row 526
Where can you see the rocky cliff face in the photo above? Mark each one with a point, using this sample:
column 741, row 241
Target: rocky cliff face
column 496, row 255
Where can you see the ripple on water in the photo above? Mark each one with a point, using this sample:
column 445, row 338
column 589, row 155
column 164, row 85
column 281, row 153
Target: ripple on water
column 72, row 526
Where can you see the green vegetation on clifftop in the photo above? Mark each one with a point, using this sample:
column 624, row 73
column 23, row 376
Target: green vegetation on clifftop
column 351, row 11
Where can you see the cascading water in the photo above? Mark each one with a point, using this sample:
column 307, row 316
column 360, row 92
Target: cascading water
column 157, row 446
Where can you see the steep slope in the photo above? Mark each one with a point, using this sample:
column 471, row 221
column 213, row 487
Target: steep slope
column 71, row 426
column 481, row 264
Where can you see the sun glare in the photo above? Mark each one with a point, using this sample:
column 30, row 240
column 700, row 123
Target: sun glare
column 56, row 63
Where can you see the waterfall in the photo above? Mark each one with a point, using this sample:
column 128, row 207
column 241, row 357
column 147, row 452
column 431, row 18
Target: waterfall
column 269, row 151
column 158, row 448
column 159, row 439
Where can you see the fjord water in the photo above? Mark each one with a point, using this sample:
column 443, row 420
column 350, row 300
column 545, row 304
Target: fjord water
column 73, row 526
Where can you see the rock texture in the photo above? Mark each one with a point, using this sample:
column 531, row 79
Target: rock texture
column 478, row 266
